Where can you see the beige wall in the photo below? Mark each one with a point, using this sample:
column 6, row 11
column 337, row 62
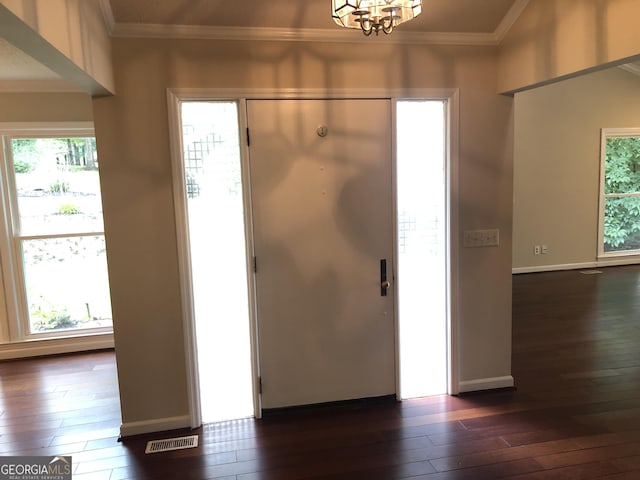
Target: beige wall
column 557, row 164
column 552, row 39
column 45, row 107
column 558, row 38
column 132, row 134
column 76, row 42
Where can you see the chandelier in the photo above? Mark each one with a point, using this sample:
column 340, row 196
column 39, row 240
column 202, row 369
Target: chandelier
column 374, row 15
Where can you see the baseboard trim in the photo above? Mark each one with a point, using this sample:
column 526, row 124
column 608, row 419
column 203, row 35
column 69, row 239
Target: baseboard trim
column 485, row 384
column 55, row 346
column 131, row 429
column 610, row 262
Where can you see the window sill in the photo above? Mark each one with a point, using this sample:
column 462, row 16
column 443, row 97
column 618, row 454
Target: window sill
column 55, row 346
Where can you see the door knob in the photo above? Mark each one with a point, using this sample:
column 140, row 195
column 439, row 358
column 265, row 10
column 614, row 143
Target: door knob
column 386, row 284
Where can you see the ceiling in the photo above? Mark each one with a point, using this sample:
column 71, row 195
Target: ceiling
column 20, row 72
column 437, row 16
column 482, row 22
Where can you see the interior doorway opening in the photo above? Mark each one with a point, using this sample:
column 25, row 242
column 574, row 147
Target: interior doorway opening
column 217, row 244
column 421, row 189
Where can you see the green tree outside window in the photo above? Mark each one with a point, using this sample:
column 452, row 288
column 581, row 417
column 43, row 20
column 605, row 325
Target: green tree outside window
column 622, row 194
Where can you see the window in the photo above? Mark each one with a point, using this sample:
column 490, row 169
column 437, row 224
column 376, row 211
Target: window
column 619, row 232
column 55, row 273
column 421, row 190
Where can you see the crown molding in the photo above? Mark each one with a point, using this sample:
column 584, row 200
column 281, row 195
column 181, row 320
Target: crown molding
column 341, row 35
column 107, row 15
column 338, row 35
column 509, row 19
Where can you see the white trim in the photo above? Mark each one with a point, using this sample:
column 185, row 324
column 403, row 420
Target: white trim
column 602, row 196
column 453, row 242
column 129, row 429
column 622, row 195
column 337, row 35
column 10, row 330
column 396, row 251
column 175, row 95
column 621, row 132
column 15, row 323
column 619, row 254
column 609, row 262
column 44, row 236
column 312, row 93
column 451, row 116
column 250, row 252
column 486, row 384
column 553, row 268
column 55, row 346
column 601, row 193
column 509, row 19
column 107, row 15
column 47, row 129
column 66, row 334
column 184, row 259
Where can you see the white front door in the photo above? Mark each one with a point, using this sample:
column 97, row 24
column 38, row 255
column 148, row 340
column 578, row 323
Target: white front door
column 321, row 186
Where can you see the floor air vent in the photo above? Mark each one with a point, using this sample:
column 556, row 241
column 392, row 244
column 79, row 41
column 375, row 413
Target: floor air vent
column 591, row 272
column 156, row 446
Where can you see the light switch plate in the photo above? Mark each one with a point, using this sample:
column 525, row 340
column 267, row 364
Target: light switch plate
column 481, row 238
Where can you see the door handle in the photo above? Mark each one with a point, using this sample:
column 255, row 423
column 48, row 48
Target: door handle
column 384, row 283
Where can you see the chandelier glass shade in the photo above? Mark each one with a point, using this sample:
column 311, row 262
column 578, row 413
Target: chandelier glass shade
column 374, row 15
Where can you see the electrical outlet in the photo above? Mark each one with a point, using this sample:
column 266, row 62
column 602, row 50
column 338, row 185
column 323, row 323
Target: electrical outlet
column 536, row 249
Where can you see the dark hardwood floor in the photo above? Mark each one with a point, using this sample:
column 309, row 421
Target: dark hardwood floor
column 575, row 413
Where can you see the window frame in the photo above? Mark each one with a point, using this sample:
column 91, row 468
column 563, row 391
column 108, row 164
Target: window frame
column 14, row 319
column 605, row 134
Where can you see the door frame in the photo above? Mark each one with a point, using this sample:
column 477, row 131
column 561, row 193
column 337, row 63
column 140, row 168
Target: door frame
column 177, row 95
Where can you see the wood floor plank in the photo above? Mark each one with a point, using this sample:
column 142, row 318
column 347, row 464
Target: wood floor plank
column 583, row 471
column 574, row 414
column 578, row 457
column 503, row 455
column 485, row 472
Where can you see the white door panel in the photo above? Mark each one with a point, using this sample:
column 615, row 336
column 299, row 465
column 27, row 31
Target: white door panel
column 323, row 219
